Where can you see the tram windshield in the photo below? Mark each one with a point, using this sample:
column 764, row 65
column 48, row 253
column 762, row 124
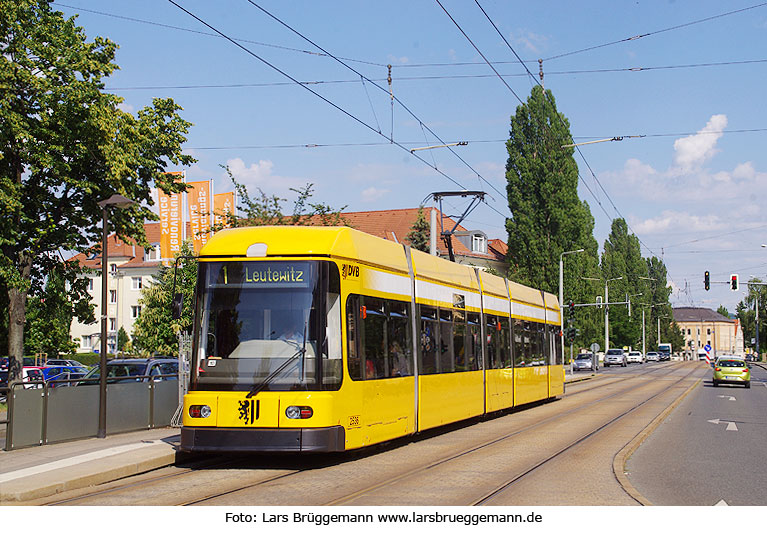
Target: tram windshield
column 264, row 325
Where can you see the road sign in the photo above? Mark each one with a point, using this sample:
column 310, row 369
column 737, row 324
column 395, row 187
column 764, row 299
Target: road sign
column 594, row 347
column 707, row 347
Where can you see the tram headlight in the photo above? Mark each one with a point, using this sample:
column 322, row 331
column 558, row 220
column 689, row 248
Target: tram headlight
column 299, row 411
column 199, row 411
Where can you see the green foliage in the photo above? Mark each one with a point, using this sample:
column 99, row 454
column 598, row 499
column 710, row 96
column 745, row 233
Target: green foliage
column 548, row 218
column 48, row 318
column 722, row 310
column 420, row 232
column 122, row 339
column 65, row 146
column 745, row 312
column 263, row 210
column 154, row 329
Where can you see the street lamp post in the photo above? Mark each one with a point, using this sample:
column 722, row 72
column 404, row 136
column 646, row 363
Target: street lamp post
column 607, row 314
column 561, row 302
column 116, row 200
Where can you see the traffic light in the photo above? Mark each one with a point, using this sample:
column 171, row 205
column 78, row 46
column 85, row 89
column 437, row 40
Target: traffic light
column 707, row 280
column 734, row 282
column 570, row 313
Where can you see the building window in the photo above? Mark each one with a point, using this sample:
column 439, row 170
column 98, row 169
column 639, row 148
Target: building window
column 112, row 297
column 708, row 331
column 135, row 311
column 113, row 268
column 112, row 324
column 136, row 283
column 86, row 341
column 90, row 284
column 153, row 253
column 478, row 243
column 689, row 332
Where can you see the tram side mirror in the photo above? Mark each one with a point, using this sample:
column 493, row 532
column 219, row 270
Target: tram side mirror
column 177, row 305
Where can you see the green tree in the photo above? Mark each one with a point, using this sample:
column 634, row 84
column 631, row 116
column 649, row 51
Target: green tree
column 419, row 235
column 622, row 258
column 722, row 310
column 548, row 218
column 264, row 210
column 746, row 313
column 48, row 318
column 155, row 330
column 122, row 339
column 66, row 146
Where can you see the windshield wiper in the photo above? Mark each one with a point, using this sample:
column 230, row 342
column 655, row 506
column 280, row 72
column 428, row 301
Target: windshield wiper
column 277, row 371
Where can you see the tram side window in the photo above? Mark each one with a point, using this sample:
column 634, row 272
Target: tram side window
column 504, row 344
column 473, row 346
column 352, row 316
column 400, row 343
column 379, row 338
column 373, row 336
column 446, row 353
column 557, row 346
column 537, row 338
column 519, row 342
column 459, row 341
column 493, row 360
column 429, row 337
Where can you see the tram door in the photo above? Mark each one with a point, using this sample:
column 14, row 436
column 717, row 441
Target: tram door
column 385, row 368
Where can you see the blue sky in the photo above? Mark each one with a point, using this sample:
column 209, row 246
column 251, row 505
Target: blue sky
column 692, row 189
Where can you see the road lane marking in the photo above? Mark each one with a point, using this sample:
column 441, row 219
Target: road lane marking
column 63, row 463
column 721, row 503
column 732, row 398
column 731, row 426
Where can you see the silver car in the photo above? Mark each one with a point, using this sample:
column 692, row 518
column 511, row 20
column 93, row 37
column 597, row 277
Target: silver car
column 583, row 361
column 615, row 356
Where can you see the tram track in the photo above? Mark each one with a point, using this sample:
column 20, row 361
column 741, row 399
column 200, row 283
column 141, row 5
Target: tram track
column 484, row 446
column 499, row 490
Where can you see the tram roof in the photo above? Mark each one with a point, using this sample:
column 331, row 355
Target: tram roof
column 281, row 241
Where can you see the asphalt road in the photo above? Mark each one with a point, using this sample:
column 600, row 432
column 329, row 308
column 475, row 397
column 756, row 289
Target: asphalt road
column 711, row 449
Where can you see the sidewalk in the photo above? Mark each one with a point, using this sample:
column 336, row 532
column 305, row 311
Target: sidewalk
column 41, row 471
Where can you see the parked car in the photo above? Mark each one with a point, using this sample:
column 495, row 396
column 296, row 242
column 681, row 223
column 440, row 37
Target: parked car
column 731, row 370
column 635, row 357
column 65, row 362
column 615, row 356
column 27, row 374
column 652, row 356
column 664, row 356
column 56, row 376
column 139, row 369
column 583, row 361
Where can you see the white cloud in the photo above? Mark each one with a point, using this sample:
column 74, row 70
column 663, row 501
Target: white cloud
column 122, row 106
column 533, row 42
column 255, row 174
column 673, row 220
column 694, row 150
column 372, row 194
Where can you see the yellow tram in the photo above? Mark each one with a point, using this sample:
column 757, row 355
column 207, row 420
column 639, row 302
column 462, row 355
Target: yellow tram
column 323, row 339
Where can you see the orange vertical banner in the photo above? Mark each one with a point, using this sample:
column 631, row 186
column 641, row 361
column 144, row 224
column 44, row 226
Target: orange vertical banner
column 170, row 221
column 198, row 201
column 223, row 205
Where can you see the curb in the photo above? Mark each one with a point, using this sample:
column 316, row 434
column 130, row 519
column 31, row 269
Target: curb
column 620, row 459
column 87, row 474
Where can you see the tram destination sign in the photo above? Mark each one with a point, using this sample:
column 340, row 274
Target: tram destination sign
column 262, row 274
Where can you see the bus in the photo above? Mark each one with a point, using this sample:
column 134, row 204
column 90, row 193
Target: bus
column 327, row 339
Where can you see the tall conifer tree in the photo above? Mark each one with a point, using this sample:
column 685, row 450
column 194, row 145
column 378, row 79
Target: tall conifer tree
column 547, row 217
